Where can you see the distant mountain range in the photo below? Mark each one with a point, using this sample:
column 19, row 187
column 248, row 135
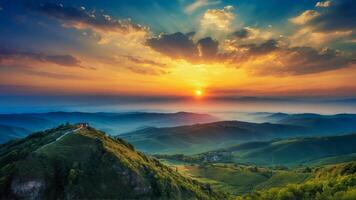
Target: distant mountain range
column 112, row 123
column 10, row 132
column 71, row 163
column 333, row 124
column 183, row 132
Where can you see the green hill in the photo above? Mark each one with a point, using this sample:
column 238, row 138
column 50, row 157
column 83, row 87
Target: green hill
column 67, row 163
column 299, row 150
column 287, row 152
column 330, row 183
column 203, row 137
column 239, row 179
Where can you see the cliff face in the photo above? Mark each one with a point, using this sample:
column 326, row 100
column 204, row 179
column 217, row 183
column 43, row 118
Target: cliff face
column 87, row 164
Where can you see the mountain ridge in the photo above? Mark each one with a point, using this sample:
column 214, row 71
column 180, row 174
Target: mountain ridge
column 88, row 164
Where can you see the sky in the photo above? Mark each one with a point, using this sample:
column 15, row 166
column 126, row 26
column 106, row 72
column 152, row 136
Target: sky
column 172, row 49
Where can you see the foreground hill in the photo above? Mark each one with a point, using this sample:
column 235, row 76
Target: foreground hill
column 336, row 182
column 82, row 163
column 287, row 152
column 203, row 137
column 112, row 123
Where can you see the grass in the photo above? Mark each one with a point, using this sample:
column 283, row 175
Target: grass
column 89, row 164
column 241, row 179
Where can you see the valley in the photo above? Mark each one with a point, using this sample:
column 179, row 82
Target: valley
column 212, row 160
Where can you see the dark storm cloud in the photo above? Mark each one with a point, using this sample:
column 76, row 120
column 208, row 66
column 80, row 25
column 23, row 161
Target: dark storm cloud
column 341, row 15
column 62, row 60
column 83, row 17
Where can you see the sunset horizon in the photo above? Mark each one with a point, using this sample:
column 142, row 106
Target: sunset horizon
column 178, row 99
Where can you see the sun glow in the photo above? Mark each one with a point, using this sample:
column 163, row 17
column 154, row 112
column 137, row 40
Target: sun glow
column 198, row 93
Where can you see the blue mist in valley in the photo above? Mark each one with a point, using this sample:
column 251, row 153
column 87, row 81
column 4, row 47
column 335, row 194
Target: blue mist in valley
column 226, row 108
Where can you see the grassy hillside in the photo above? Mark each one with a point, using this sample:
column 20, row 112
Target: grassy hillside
column 239, row 179
column 203, row 137
column 299, row 150
column 87, row 164
column 330, row 183
column 11, row 132
column 288, row 152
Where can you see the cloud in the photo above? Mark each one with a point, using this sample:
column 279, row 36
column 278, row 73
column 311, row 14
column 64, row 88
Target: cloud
column 142, row 61
column 268, row 57
column 198, row 4
column 62, row 60
column 282, row 61
column 207, row 48
column 176, row 45
column 322, row 4
column 305, row 17
column 81, row 18
column 216, row 22
column 107, row 30
column 182, row 46
column 340, row 16
column 52, row 75
column 262, row 48
column 242, row 33
column 306, row 60
column 334, row 21
column 146, row 70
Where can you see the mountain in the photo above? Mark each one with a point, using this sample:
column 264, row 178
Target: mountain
column 323, row 124
column 26, row 121
column 287, row 152
column 202, row 137
column 112, row 123
column 79, row 162
column 10, row 132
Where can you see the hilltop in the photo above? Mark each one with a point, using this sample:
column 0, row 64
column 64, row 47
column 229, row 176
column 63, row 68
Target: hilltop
column 71, row 162
column 112, row 123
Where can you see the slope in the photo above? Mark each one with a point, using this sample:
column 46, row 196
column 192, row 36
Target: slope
column 287, row 152
column 203, row 137
column 87, row 164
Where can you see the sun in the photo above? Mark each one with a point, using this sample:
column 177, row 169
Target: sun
column 198, row 93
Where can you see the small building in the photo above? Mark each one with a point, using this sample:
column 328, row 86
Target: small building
column 82, row 125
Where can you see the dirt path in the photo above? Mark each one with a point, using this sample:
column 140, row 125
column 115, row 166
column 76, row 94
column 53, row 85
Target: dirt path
column 66, row 133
